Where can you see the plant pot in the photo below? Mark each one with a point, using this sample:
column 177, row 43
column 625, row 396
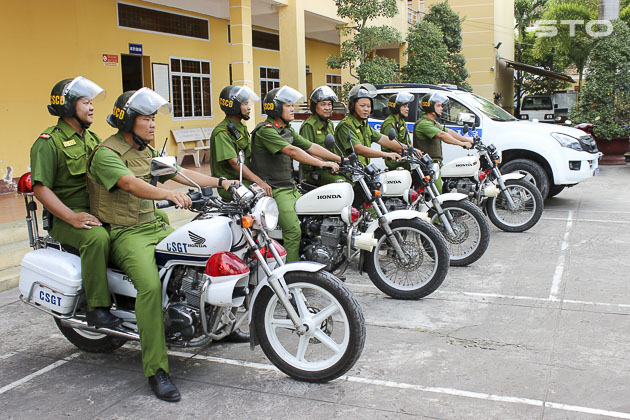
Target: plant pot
column 613, row 150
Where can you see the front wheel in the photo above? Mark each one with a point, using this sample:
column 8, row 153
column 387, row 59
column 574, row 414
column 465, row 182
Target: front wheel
column 528, row 207
column 471, row 231
column 336, row 328
column 90, row 341
column 426, row 264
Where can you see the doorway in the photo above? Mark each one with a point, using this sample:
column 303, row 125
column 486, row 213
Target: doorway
column 136, row 71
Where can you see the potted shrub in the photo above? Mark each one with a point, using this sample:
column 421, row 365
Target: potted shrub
column 605, row 100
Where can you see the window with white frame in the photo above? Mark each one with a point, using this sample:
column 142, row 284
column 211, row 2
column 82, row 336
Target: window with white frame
column 269, row 79
column 334, row 82
column 191, row 88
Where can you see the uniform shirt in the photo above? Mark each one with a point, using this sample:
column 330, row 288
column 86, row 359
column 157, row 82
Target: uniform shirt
column 424, row 137
column 394, row 121
column 269, row 140
column 315, row 130
column 223, row 147
column 360, row 133
column 107, row 167
column 63, row 169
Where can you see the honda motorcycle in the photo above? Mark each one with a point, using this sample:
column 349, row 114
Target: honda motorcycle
column 462, row 224
column 220, row 272
column 404, row 255
column 512, row 203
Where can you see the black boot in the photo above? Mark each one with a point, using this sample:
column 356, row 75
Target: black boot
column 163, row 387
column 102, row 318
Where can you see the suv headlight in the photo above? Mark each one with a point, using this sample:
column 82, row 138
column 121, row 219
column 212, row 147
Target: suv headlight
column 567, row 141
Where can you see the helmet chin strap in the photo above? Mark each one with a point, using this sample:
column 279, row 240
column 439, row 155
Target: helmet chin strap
column 84, row 125
column 245, row 117
column 142, row 143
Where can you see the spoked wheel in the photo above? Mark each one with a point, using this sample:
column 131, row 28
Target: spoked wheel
column 528, row 207
column 471, row 231
column 90, row 341
column 336, row 328
column 426, row 264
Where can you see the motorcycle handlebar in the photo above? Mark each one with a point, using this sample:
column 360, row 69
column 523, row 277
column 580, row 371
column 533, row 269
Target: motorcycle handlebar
column 164, row 204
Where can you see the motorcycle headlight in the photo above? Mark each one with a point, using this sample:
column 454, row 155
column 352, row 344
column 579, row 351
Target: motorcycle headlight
column 435, row 167
column 265, row 214
column 567, row 141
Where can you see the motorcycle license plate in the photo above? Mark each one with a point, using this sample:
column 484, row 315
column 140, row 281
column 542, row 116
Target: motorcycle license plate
column 596, row 171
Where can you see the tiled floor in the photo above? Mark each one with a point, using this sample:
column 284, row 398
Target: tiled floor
column 12, row 205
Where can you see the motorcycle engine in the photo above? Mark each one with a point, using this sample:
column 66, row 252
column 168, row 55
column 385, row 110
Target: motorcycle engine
column 393, row 204
column 327, row 247
column 180, row 319
column 182, row 313
column 464, row 186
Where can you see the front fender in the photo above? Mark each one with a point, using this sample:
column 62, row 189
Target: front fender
column 451, row 197
column 512, row 175
column 398, row 215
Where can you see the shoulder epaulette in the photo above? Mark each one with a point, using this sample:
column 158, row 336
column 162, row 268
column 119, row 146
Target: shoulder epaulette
column 44, row 136
column 268, row 125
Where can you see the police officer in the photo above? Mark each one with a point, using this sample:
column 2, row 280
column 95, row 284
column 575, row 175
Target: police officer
column 315, row 129
column 122, row 196
column 58, row 159
column 274, row 146
column 429, row 134
column 360, row 103
column 230, row 137
column 398, row 105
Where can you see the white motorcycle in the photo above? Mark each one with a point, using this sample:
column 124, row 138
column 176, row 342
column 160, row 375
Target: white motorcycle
column 403, row 254
column 462, row 224
column 220, row 273
column 512, row 203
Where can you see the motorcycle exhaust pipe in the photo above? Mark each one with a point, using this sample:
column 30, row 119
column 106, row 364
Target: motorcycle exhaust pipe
column 364, row 241
column 491, row 191
column 77, row 323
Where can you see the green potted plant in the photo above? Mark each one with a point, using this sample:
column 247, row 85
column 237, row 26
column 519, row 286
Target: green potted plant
column 605, row 100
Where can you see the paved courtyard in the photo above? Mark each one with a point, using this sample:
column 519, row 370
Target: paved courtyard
column 539, row 327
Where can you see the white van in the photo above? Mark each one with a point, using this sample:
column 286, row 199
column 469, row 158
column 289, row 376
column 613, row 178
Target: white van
column 555, row 156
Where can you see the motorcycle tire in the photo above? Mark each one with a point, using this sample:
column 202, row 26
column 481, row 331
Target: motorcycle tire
column 429, row 259
column 472, row 232
column 339, row 335
column 529, row 203
column 90, row 341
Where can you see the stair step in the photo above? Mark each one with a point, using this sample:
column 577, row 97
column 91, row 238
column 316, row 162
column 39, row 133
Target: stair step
column 9, row 278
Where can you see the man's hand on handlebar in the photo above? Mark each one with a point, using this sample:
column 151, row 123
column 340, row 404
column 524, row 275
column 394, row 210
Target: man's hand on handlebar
column 392, row 156
column 181, row 199
column 228, row 182
column 332, row 166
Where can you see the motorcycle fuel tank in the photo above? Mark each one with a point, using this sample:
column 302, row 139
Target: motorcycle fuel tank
column 199, row 238
column 329, row 199
column 395, row 182
column 461, row 167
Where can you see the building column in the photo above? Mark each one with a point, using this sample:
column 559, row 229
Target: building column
column 242, row 55
column 293, row 45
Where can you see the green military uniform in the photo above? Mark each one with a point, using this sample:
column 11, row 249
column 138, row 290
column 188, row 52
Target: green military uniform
column 274, row 167
column 135, row 230
column 315, row 130
column 360, row 133
column 58, row 160
column 225, row 146
column 400, row 126
column 424, row 138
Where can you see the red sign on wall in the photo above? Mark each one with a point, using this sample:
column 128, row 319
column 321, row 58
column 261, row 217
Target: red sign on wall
column 110, row 59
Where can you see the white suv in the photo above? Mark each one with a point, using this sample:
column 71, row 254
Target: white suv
column 554, row 156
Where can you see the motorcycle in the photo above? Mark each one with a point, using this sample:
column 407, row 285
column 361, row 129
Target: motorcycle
column 220, row 273
column 511, row 202
column 404, row 255
column 462, row 224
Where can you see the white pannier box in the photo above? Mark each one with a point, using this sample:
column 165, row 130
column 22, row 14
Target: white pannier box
column 51, row 278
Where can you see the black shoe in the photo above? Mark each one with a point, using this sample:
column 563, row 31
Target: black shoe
column 102, row 318
column 163, row 387
column 237, row 336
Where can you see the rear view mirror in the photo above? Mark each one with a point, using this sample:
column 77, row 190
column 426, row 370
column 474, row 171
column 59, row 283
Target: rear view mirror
column 163, row 165
column 465, row 118
column 329, row 142
column 391, row 134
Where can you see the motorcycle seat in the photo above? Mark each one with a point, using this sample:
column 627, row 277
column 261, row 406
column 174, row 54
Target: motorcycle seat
column 73, row 250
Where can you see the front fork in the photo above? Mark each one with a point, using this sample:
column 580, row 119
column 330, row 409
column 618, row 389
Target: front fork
column 504, row 190
column 277, row 284
column 394, row 239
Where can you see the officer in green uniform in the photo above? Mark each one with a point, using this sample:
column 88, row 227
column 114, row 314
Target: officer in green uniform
column 230, row 137
column 274, row 146
column 360, row 102
column 429, row 134
column 315, row 129
column 121, row 195
column 398, row 105
column 58, row 160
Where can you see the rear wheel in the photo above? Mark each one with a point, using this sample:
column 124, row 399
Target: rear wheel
column 336, row 328
column 426, row 265
column 471, row 231
column 533, row 172
column 90, row 341
column 528, row 207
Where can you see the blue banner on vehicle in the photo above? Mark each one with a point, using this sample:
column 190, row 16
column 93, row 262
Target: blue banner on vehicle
column 376, row 124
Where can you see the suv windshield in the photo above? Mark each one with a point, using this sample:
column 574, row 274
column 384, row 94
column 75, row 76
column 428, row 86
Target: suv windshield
column 490, row 109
